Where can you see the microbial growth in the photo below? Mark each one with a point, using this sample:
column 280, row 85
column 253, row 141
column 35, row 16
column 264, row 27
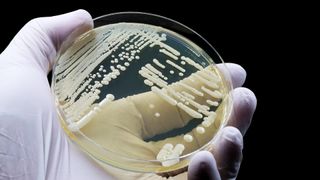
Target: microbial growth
column 141, row 92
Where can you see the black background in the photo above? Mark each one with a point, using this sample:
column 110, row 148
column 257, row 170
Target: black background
column 241, row 33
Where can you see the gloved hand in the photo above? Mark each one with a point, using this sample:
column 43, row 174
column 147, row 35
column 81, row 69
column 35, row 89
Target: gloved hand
column 32, row 143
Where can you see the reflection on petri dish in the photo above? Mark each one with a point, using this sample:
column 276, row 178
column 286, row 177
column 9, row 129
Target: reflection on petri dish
column 139, row 93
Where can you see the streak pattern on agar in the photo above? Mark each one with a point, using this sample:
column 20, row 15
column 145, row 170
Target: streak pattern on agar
column 87, row 74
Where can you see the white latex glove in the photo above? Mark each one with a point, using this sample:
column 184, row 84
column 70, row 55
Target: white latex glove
column 32, row 143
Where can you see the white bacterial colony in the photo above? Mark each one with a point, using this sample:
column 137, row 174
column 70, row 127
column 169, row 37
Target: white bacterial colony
column 188, row 138
column 83, row 75
column 200, row 130
column 169, row 155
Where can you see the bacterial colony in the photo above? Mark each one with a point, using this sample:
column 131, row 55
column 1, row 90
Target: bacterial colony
column 111, row 67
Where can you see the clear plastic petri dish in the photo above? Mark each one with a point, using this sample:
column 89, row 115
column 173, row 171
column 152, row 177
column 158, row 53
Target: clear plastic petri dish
column 141, row 92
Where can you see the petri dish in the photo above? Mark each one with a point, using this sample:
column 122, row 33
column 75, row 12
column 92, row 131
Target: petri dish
column 141, row 92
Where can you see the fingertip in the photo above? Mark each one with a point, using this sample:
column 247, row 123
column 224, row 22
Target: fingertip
column 203, row 166
column 63, row 29
column 232, row 135
column 237, row 73
column 85, row 17
column 248, row 97
column 228, row 152
column 244, row 105
column 75, row 23
column 203, row 157
column 41, row 38
column 79, row 22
